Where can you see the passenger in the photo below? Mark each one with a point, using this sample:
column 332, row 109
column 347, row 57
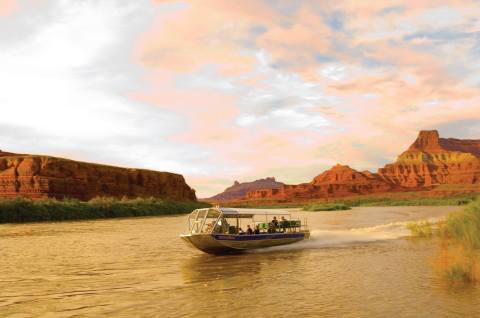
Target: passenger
column 283, row 224
column 275, row 222
column 257, row 229
column 249, row 230
column 227, row 225
column 210, row 227
column 271, row 228
column 240, row 231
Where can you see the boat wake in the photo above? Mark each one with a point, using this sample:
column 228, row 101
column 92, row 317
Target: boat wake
column 330, row 238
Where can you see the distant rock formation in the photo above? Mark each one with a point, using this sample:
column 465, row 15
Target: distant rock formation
column 429, row 161
column 337, row 182
column 35, row 176
column 4, row 154
column 239, row 190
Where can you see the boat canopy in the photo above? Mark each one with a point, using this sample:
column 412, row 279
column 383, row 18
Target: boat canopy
column 229, row 212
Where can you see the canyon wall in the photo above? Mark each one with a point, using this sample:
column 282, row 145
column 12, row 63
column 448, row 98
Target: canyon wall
column 428, row 162
column 432, row 160
column 43, row 176
column 339, row 181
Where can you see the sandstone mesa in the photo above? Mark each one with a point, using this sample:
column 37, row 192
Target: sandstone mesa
column 35, row 176
column 430, row 161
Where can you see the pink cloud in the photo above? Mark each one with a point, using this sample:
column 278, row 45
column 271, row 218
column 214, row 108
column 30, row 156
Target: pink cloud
column 8, row 7
column 206, row 32
column 374, row 84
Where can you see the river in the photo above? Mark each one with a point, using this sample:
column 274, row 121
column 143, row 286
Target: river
column 358, row 263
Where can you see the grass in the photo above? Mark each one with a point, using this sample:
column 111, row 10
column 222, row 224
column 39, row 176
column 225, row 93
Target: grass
column 458, row 265
column 346, row 204
column 326, row 207
column 392, row 199
column 459, row 257
column 464, row 226
column 386, row 201
column 421, row 229
column 20, row 210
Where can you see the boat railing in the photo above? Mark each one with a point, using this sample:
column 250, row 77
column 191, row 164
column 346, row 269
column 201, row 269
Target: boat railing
column 209, row 221
column 286, row 226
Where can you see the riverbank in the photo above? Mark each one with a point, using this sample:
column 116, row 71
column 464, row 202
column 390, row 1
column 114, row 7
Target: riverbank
column 21, row 210
column 459, row 257
column 326, row 207
column 359, row 201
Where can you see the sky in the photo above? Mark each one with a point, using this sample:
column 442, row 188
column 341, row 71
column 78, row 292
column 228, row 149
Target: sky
column 236, row 90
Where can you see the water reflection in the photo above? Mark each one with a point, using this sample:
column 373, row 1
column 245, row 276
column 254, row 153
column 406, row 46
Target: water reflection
column 207, row 268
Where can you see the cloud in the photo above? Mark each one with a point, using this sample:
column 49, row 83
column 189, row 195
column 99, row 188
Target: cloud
column 220, row 90
column 312, row 75
column 64, row 91
column 8, row 7
column 288, row 118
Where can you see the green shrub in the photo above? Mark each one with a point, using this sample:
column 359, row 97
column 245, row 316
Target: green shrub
column 409, row 202
column 464, row 226
column 421, row 228
column 459, row 259
column 326, row 207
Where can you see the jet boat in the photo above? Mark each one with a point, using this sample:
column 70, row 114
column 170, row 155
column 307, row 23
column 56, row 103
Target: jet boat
column 219, row 230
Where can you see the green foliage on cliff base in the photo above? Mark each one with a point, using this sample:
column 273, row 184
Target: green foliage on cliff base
column 21, row 210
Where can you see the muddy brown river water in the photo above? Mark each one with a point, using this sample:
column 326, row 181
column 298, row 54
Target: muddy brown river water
column 358, row 263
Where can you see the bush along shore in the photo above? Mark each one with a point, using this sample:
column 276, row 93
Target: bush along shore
column 347, row 204
column 459, row 257
column 358, row 201
column 21, row 210
column 326, row 207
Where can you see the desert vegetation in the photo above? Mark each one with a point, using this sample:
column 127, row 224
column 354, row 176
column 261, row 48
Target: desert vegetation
column 20, row 210
column 326, row 207
column 459, row 236
column 413, row 201
column 393, row 199
column 422, row 228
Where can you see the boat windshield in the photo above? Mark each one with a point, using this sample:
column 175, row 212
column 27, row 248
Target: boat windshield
column 203, row 221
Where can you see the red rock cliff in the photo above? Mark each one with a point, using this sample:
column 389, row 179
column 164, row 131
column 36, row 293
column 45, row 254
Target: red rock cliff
column 339, row 181
column 43, row 176
column 432, row 160
column 429, row 161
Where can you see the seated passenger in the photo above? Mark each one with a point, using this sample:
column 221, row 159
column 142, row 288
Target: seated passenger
column 210, row 227
column 283, row 224
column 257, row 230
column 240, row 231
column 223, row 226
column 271, row 228
column 249, row 230
column 232, row 229
column 275, row 222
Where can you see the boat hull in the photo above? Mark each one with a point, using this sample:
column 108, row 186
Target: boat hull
column 206, row 243
column 223, row 243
